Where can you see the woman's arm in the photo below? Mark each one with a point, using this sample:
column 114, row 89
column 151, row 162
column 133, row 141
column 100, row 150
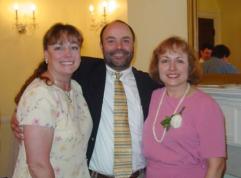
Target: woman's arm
column 38, row 142
column 215, row 168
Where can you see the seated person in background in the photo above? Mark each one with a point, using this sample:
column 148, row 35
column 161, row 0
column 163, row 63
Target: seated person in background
column 205, row 52
column 219, row 62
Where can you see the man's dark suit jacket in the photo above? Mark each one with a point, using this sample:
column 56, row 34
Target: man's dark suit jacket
column 91, row 76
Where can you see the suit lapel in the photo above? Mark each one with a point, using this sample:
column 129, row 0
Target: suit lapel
column 97, row 87
column 141, row 90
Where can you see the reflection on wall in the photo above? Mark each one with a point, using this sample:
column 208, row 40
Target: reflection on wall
column 227, row 16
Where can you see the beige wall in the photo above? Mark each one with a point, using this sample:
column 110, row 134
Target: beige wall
column 154, row 21
column 208, row 6
column 20, row 53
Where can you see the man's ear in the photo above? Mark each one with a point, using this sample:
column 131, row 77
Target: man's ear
column 101, row 46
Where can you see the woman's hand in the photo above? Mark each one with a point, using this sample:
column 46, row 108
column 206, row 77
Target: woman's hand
column 215, row 168
column 15, row 127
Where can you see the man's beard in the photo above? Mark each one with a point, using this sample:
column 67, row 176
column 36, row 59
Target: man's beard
column 110, row 61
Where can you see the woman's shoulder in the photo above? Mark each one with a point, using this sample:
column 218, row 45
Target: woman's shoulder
column 37, row 88
column 203, row 98
column 36, row 84
column 36, row 92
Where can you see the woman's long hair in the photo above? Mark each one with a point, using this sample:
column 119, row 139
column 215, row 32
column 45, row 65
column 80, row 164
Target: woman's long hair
column 36, row 74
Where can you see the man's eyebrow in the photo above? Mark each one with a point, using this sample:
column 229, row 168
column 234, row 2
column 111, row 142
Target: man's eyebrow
column 126, row 37
column 110, row 37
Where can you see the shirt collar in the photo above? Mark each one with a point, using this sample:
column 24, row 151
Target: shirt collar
column 124, row 73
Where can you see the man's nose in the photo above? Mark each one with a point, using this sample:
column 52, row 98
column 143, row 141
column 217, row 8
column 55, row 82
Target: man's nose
column 119, row 45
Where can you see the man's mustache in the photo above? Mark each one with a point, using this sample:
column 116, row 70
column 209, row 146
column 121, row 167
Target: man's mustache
column 125, row 52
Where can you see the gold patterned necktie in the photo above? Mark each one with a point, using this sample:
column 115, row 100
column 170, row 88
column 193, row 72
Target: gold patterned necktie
column 122, row 136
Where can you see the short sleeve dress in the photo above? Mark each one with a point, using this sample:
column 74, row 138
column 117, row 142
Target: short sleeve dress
column 68, row 114
column 184, row 151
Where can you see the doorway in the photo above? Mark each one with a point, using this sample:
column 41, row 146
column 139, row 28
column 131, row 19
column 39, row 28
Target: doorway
column 206, row 31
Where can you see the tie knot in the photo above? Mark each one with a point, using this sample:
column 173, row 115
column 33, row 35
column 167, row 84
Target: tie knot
column 117, row 75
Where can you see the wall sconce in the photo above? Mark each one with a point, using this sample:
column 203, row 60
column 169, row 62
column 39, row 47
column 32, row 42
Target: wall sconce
column 25, row 17
column 99, row 15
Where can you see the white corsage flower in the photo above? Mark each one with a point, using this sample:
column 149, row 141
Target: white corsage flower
column 174, row 120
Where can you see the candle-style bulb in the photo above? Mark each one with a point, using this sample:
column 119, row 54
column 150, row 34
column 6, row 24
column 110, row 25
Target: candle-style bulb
column 16, row 7
column 104, row 4
column 91, row 8
column 33, row 7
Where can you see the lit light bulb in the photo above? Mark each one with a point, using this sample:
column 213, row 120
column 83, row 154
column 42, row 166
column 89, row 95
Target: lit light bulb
column 91, row 8
column 16, row 6
column 104, row 4
column 33, row 7
column 112, row 6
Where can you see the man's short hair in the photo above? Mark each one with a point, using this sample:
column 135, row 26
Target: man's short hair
column 206, row 46
column 120, row 21
column 221, row 51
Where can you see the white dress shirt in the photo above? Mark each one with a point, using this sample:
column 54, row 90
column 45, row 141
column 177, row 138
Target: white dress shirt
column 103, row 155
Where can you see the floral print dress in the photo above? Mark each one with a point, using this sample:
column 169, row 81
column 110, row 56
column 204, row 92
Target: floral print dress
column 68, row 115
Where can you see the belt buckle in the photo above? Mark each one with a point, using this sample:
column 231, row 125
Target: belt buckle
column 95, row 174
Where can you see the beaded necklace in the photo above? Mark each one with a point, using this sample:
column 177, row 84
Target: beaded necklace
column 175, row 111
column 67, row 94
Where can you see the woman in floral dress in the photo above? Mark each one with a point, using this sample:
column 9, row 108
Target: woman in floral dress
column 53, row 113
